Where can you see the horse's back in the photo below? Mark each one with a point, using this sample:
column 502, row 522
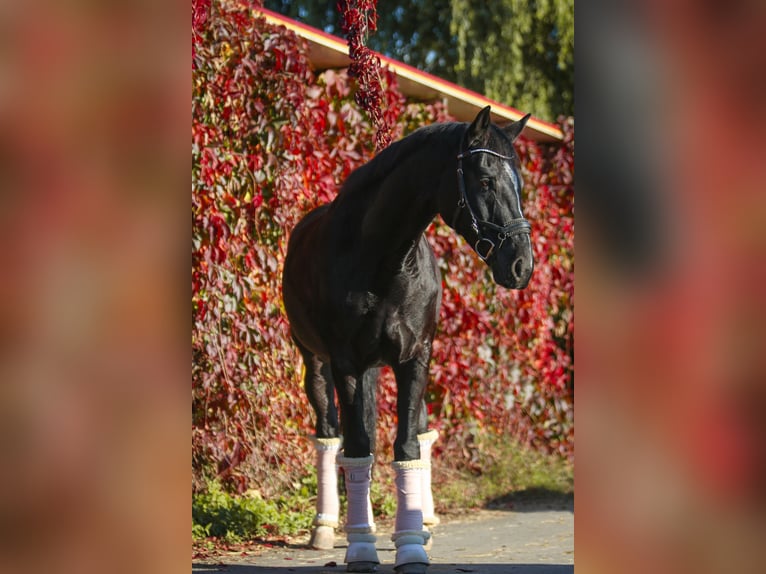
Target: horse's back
column 306, row 226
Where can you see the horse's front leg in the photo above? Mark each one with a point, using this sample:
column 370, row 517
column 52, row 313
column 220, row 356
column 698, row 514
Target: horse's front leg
column 356, row 396
column 409, row 535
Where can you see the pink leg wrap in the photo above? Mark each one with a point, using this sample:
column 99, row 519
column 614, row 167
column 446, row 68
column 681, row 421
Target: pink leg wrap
column 409, row 536
column 328, row 504
column 357, row 472
column 426, row 440
column 360, row 525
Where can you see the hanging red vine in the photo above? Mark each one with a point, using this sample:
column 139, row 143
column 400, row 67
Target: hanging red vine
column 358, row 17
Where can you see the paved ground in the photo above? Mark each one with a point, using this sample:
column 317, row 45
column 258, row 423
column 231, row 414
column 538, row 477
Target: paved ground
column 529, row 541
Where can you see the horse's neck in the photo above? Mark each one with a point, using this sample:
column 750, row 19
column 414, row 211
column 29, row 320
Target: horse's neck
column 403, row 205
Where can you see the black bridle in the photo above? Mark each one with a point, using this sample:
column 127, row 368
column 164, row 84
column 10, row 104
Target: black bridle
column 513, row 227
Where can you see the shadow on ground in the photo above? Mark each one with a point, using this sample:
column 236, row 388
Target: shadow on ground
column 388, row 568
column 528, row 532
column 533, row 500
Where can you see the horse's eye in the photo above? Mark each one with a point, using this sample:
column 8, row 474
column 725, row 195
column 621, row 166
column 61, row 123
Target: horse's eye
column 484, row 183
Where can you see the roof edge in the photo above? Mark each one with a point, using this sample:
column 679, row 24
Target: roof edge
column 536, row 129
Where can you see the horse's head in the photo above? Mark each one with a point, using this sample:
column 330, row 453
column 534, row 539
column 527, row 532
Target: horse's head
column 488, row 212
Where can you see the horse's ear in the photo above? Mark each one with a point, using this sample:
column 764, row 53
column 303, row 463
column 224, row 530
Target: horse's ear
column 477, row 131
column 513, row 129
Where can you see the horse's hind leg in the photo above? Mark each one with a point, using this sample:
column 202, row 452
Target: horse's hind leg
column 356, row 395
column 426, row 439
column 321, row 394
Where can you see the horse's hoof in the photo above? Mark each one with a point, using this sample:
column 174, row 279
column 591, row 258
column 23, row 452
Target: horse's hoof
column 362, row 567
column 429, row 543
column 410, row 558
column 322, row 538
column 411, row 568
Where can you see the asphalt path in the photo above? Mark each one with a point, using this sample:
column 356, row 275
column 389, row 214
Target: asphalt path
column 538, row 539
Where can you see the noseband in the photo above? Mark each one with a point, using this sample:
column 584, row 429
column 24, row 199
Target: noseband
column 513, row 227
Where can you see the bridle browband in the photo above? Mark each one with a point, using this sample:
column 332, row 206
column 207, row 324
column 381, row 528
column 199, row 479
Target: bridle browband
column 513, row 227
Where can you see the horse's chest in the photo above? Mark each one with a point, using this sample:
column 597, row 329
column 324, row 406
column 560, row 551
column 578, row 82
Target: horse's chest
column 391, row 328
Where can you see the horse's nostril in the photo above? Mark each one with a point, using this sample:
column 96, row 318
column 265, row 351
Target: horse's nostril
column 517, row 268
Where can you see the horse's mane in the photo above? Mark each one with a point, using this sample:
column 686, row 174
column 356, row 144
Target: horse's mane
column 382, row 164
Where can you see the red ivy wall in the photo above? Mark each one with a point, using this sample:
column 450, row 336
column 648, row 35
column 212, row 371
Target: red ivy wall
column 270, row 140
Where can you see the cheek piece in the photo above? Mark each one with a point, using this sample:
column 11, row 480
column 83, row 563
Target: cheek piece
column 487, row 233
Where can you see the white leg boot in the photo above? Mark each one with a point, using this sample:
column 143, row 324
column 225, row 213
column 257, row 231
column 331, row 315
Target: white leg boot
column 409, row 536
column 361, row 555
column 426, row 440
column 328, row 504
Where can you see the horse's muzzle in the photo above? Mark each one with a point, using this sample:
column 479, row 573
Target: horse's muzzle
column 513, row 275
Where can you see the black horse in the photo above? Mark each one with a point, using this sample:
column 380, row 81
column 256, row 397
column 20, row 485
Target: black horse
column 362, row 289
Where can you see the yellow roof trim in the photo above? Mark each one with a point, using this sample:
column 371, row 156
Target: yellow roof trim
column 327, row 51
